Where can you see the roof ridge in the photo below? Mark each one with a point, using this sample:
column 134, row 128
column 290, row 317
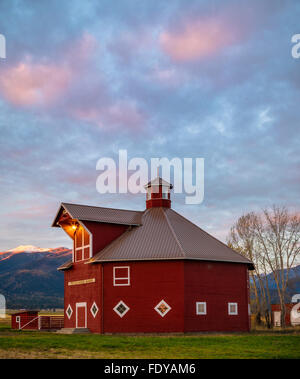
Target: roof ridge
column 174, row 234
column 210, row 235
column 95, row 206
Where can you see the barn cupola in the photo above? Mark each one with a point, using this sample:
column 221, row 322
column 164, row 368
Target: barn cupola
column 158, row 193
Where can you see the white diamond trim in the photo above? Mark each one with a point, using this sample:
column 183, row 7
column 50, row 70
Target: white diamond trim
column 126, row 310
column 97, row 309
column 162, row 302
column 67, row 311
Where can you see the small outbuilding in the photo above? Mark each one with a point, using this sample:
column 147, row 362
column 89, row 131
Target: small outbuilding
column 292, row 314
column 25, row 320
column 31, row 320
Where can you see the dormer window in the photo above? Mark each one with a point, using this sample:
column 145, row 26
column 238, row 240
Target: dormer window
column 81, row 244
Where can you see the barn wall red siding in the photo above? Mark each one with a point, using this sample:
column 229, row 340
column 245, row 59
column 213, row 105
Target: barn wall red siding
column 150, row 282
column 103, row 234
column 217, row 284
column 82, row 293
column 179, row 283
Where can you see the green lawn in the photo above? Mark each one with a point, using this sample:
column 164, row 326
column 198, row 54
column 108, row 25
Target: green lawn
column 27, row 344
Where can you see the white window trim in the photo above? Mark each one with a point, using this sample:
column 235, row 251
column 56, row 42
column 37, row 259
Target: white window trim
column 205, row 308
column 94, row 315
column 83, row 245
column 158, row 305
column 124, row 313
column 81, row 305
column 123, row 278
column 236, row 307
column 69, row 306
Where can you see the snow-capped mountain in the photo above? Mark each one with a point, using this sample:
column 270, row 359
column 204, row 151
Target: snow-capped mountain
column 59, row 251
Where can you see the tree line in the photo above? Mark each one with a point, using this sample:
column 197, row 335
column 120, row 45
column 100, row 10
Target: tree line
column 271, row 240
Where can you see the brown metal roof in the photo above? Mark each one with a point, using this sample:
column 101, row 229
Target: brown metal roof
column 164, row 234
column 31, row 311
column 100, row 214
column 65, row 266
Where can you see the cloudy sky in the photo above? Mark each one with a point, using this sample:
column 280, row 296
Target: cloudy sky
column 82, row 80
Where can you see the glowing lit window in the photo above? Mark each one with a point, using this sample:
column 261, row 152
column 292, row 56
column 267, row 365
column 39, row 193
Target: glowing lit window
column 81, row 244
column 122, row 276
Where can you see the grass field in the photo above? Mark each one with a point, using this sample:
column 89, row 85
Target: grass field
column 259, row 344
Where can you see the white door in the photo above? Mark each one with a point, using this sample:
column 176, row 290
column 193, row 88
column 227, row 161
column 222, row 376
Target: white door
column 277, row 321
column 81, row 315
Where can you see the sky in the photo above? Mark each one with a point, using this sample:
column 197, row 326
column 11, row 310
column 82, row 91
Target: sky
column 83, row 80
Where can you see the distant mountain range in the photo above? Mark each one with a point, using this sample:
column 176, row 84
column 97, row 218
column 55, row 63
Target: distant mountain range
column 293, row 285
column 29, row 277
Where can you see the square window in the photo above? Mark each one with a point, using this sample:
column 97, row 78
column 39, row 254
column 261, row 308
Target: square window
column 122, row 276
column 201, row 308
column 232, row 308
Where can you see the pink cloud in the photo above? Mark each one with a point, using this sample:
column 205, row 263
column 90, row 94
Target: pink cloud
column 197, row 38
column 29, row 84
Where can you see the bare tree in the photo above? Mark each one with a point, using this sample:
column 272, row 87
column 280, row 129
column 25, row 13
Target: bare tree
column 242, row 238
column 278, row 237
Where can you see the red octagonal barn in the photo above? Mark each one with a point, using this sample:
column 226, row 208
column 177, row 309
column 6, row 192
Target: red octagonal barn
column 150, row 271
